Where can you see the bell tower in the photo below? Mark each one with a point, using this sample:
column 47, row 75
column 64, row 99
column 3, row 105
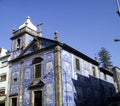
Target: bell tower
column 22, row 37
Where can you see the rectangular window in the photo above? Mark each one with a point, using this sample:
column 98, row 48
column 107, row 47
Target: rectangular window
column 38, row 98
column 94, row 71
column 105, row 77
column 3, row 78
column 2, row 92
column 37, row 70
column 77, row 63
column 14, row 101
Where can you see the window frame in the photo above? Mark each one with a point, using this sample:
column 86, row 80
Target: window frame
column 77, row 64
column 13, row 98
column 36, row 72
column 105, row 77
column 94, row 71
column 1, row 90
column 18, row 42
column 33, row 96
column 3, row 77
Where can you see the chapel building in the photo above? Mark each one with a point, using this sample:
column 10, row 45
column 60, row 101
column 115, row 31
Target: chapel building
column 46, row 72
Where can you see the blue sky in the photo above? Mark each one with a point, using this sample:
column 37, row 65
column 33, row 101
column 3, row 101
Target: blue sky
column 86, row 25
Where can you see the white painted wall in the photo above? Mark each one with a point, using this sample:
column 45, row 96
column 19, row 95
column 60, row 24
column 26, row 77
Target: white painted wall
column 3, row 52
column 108, row 78
column 4, row 69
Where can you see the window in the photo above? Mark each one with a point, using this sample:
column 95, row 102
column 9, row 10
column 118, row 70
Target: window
column 2, row 92
column 94, row 71
column 77, row 63
column 4, row 63
column 18, row 44
column 37, row 98
column 37, row 68
column 2, row 104
column 36, row 46
column 3, row 78
column 15, row 80
column 105, row 77
column 14, row 101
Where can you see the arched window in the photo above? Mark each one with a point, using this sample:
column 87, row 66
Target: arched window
column 37, row 60
column 18, row 44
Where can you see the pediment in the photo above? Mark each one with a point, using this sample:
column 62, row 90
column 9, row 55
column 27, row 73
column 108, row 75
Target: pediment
column 37, row 60
column 37, row 44
column 36, row 83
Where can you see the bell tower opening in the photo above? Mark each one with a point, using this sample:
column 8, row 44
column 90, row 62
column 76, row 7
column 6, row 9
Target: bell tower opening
column 18, row 44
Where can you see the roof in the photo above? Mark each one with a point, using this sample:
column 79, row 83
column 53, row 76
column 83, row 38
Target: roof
column 115, row 67
column 29, row 28
column 79, row 54
column 29, row 24
column 63, row 46
column 106, row 71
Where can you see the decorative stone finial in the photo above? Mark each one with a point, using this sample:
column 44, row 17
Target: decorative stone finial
column 40, row 29
column 27, row 21
column 28, row 17
column 56, row 36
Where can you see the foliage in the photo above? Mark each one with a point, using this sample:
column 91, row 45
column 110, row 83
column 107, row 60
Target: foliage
column 105, row 58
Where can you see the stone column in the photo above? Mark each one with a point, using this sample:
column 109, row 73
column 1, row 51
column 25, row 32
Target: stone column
column 21, row 84
column 8, row 89
column 58, row 76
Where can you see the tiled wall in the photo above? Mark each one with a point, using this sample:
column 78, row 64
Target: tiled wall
column 47, row 77
column 15, row 74
column 67, row 83
column 81, row 88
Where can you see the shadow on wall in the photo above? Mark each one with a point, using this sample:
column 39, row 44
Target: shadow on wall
column 115, row 100
column 91, row 91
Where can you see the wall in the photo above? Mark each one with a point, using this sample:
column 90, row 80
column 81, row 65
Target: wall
column 81, row 88
column 47, row 77
column 4, row 70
